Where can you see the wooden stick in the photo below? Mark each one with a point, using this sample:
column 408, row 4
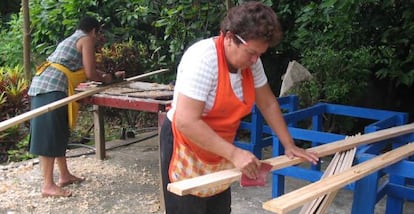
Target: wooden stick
column 309, row 207
column 52, row 106
column 188, row 186
column 350, row 154
column 292, row 200
column 348, row 157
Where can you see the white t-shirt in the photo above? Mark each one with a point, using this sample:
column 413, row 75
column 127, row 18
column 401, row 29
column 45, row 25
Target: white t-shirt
column 197, row 75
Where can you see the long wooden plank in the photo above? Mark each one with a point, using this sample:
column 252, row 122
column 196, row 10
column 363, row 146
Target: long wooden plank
column 188, row 186
column 323, row 202
column 52, row 106
column 322, row 209
column 311, row 206
column 294, row 199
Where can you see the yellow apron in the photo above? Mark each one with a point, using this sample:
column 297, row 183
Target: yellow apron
column 74, row 78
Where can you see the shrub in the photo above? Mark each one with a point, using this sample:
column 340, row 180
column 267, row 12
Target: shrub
column 13, row 101
column 124, row 56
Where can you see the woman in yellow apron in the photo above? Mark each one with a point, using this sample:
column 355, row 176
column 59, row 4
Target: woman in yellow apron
column 72, row 62
column 218, row 81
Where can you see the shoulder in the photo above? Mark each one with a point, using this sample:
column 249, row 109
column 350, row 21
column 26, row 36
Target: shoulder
column 85, row 41
column 200, row 56
column 201, row 49
column 259, row 74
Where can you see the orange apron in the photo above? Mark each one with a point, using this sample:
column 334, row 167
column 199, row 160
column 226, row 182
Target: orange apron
column 188, row 160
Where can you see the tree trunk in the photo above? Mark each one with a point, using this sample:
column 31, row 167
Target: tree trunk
column 26, row 39
column 229, row 4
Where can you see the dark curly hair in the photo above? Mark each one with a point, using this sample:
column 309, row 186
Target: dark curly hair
column 253, row 21
column 87, row 24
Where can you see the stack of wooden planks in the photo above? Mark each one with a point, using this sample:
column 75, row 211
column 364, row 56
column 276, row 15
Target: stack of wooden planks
column 296, row 198
column 341, row 161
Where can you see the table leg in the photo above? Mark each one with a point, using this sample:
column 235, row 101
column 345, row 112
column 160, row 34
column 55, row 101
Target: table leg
column 161, row 117
column 99, row 132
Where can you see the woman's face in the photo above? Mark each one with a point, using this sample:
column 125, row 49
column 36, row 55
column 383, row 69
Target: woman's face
column 245, row 54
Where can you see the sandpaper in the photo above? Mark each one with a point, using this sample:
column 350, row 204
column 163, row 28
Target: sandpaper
column 260, row 180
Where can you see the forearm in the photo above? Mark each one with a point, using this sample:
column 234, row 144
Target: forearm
column 203, row 136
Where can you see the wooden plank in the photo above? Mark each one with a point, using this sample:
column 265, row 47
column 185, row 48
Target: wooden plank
column 322, row 209
column 52, row 106
column 188, row 186
column 311, row 206
column 294, row 199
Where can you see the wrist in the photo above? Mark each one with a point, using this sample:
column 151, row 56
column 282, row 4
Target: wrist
column 104, row 77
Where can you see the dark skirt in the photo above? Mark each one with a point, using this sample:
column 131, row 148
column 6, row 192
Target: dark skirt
column 49, row 132
column 188, row 204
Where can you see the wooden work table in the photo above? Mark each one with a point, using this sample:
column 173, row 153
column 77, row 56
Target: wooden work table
column 139, row 96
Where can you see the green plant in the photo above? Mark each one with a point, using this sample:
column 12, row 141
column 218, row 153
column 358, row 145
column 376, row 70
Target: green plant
column 13, row 101
column 11, row 48
column 124, row 56
column 13, row 87
column 20, row 151
column 62, row 15
column 185, row 22
column 340, row 77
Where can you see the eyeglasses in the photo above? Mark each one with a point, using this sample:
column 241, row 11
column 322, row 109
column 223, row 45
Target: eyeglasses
column 251, row 52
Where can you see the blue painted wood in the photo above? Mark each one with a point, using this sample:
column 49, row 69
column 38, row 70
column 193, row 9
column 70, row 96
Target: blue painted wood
column 255, row 126
column 364, row 202
column 367, row 192
column 397, row 177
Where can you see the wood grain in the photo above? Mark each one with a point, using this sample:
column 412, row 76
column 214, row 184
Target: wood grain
column 188, row 186
column 294, row 199
column 52, row 106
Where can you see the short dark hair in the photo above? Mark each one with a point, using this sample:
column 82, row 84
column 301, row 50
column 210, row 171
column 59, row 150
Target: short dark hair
column 253, row 20
column 88, row 23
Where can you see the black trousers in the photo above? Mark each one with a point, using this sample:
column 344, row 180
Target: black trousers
column 188, row 204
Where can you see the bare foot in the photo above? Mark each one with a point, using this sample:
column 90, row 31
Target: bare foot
column 71, row 180
column 56, row 191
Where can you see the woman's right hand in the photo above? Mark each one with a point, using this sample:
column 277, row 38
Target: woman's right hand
column 106, row 78
column 246, row 162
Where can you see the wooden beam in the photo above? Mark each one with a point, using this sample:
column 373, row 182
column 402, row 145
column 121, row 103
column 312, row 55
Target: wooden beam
column 188, row 186
column 52, row 106
column 294, row 199
column 341, row 161
column 346, row 164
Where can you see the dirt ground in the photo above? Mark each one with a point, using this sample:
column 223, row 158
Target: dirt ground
column 127, row 181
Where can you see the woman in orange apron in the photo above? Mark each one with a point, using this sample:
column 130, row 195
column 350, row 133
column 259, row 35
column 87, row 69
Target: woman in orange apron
column 218, row 81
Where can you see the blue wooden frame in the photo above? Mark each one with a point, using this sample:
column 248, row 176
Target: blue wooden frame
column 255, row 126
column 382, row 119
column 397, row 180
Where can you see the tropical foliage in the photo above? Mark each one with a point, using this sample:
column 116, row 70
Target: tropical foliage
column 13, row 101
column 357, row 50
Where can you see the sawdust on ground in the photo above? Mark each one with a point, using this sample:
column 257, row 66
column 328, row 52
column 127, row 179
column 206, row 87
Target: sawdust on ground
column 126, row 182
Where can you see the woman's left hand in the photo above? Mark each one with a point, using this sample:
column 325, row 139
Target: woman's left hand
column 295, row 151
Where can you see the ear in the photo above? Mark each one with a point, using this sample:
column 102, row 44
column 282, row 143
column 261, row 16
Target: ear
column 228, row 34
column 228, row 37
